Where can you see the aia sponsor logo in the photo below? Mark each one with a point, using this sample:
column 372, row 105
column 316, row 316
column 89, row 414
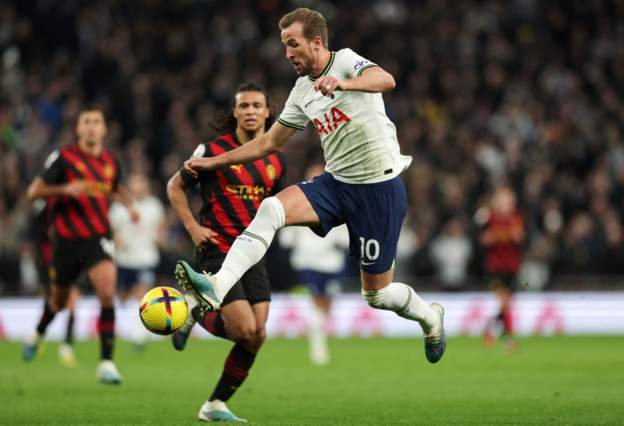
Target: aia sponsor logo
column 330, row 121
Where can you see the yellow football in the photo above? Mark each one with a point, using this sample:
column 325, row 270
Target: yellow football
column 163, row 310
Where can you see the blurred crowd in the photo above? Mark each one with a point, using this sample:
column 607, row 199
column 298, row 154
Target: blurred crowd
column 523, row 93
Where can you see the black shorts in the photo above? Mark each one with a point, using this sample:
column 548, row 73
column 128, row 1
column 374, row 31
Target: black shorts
column 507, row 281
column 70, row 257
column 254, row 286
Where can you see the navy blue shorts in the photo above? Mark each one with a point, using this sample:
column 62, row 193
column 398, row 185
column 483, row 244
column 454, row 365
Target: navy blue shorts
column 130, row 277
column 373, row 212
column 316, row 281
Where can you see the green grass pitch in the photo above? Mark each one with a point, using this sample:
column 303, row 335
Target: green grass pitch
column 547, row 381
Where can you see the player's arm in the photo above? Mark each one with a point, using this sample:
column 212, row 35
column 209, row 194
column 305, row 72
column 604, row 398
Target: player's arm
column 259, row 147
column 122, row 195
column 176, row 192
column 39, row 188
column 373, row 80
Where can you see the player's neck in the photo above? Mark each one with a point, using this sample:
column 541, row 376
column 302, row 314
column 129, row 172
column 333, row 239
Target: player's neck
column 320, row 63
column 244, row 136
column 93, row 150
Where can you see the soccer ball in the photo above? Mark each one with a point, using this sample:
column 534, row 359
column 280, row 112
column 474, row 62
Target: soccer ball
column 163, row 310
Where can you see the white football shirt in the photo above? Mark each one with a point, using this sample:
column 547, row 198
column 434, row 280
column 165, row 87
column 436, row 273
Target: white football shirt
column 137, row 247
column 359, row 141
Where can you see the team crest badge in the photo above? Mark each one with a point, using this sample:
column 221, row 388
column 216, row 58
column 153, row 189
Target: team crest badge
column 270, row 171
column 108, row 171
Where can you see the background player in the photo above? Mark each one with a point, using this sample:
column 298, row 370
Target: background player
column 83, row 177
column 502, row 238
column 340, row 93
column 137, row 246
column 318, row 262
column 231, row 195
column 41, row 228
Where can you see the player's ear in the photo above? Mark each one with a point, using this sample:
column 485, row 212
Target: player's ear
column 317, row 42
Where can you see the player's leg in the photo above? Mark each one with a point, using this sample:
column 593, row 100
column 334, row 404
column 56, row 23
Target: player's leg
column 244, row 315
column 64, row 270
column 289, row 207
column 103, row 277
column 241, row 326
column 382, row 293
column 374, row 214
column 143, row 280
column 66, row 351
column 57, row 300
column 505, row 294
column 321, row 303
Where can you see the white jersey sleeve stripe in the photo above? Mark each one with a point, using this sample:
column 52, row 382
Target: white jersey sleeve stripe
column 287, row 124
column 359, row 73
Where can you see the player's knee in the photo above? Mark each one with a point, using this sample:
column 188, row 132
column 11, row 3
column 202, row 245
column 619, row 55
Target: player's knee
column 107, row 300
column 59, row 298
column 244, row 332
column 260, row 336
column 272, row 210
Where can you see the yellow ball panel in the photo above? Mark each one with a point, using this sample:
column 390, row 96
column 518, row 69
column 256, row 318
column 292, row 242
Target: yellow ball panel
column 163, row 310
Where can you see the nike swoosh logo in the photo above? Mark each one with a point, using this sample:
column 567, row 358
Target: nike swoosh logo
column 368, row 263
column 309, row 103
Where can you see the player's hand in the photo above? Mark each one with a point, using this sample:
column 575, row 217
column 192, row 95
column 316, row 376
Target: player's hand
column 75, row 188
column 194, row 165
column 328, row 84
column 202, row 236
column 135, row 216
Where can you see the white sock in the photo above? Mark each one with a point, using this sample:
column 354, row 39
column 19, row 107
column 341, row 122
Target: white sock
column 137, row 333
column 403, row 300
column 251, row 245
column 319, row 353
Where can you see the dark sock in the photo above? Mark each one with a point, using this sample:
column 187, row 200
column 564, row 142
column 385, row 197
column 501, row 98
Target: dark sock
column 507, row 322
column 69, row 331
column 46, row 318
column 106, row 328
column 235, row 371
column 211, row 321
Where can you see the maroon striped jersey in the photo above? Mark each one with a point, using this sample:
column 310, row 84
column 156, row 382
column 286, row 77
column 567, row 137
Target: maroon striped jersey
column 231, row 195
column 86, row 216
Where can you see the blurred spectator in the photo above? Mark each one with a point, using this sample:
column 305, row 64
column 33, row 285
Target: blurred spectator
column 450, row 253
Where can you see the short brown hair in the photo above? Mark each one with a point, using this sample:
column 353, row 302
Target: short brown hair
column 313, row 23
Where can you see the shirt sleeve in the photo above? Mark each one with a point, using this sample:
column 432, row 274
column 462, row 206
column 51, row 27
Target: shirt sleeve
column 292, row 115
column 53, row 170
column 351, row 65
column 281, row 182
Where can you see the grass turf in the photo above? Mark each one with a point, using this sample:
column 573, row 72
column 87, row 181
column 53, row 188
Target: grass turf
column 547, row 381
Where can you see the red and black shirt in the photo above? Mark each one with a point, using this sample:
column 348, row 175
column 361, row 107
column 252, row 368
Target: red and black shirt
column 86, row 216
column 504, row 254
column 231, row 195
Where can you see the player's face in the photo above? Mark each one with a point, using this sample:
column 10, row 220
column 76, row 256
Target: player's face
column 251, row 111
column 300, row 51
column 91, row 128
column 138, row 186
column 504, row 201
